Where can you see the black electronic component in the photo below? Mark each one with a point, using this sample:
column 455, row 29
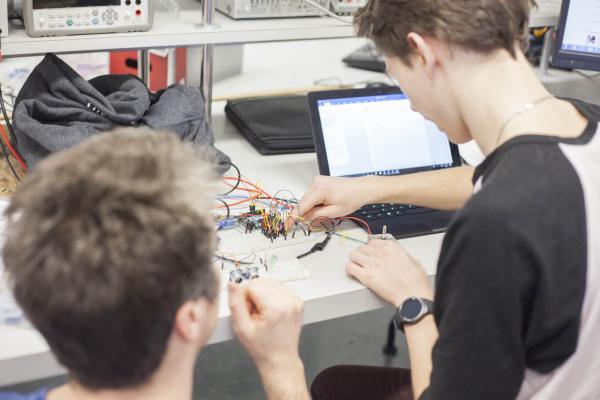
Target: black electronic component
column 317, row 247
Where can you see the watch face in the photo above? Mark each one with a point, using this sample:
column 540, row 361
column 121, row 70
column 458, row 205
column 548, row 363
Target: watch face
column 411, row 309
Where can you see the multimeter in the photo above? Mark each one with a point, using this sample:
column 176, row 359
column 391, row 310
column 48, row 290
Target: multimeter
column 80, row 17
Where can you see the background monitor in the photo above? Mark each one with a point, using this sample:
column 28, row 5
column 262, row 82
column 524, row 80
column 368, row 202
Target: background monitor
column 578, row 35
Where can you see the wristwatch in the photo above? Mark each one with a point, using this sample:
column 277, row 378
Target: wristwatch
column 412, row 311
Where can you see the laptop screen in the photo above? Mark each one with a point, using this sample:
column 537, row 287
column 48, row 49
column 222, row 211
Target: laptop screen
column 380, row 135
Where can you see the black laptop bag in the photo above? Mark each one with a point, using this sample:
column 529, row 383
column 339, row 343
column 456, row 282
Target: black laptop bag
column 273, row 125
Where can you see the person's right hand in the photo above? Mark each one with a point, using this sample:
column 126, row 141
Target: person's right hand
column 267, row 318
column 333, row 197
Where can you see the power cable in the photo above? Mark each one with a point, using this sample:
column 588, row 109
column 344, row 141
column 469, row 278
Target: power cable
column 237, row 183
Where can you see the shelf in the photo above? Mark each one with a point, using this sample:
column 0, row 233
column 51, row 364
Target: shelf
column 181, row 31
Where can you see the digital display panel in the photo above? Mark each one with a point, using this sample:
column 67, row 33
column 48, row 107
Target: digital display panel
column 41, row 4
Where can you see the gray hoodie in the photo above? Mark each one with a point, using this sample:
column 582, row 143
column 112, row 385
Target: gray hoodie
column 57, row 108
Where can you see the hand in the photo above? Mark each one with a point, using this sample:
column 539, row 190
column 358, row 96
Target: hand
column 267, row 318
column 389, row 271
column 333, row 197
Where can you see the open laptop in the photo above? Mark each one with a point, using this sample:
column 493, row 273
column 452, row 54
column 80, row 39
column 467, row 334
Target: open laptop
column 373, row 131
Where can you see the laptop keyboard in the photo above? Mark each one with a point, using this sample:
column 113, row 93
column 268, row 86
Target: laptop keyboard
column 388, row 210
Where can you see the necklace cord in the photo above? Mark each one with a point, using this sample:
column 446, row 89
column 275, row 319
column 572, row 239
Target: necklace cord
column 527, row 107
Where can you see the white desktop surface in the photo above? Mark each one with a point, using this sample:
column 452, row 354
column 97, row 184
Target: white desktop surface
column 24, row 355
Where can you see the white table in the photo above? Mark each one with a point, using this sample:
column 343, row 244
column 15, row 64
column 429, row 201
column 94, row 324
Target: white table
column 24, row 355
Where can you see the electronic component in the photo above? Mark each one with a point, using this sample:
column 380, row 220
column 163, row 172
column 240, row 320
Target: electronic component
column 239, row 275
column 347, row 7
column 227, row 223
column 280, row 270
column 243, row 9
column 76, row 17
column 383, row 236
column 236, row 275
column 317, row 247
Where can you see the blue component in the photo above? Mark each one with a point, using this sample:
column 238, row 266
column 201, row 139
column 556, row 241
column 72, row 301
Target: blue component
column 226, row 224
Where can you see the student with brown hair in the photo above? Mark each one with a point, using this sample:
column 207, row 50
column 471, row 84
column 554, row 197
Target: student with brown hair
column 110, row 253
column 516, row 312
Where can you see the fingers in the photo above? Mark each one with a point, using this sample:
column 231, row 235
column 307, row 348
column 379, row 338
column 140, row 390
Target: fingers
column 323, row 211
column 240, row 312
column 292, row 218
column 262, row 293
column 368, row 250
column 356, row 271
column 312, row 198
column 380, row 243
column 268, row 294
column 360, row 258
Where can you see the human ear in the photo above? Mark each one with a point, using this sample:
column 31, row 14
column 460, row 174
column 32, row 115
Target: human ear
column 423, row 52
column 191, row 320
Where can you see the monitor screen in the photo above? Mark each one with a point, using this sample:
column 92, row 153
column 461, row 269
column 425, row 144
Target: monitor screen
column 380, row 135
column 578, row 35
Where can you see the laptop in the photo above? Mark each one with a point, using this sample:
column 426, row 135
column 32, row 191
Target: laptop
column 373, row 131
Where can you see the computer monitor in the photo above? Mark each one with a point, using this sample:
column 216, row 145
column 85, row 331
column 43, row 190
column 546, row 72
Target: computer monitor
column 578, row 36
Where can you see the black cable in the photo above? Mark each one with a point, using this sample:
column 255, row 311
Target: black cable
column 239, row 179
column 317, row 247
column 13, row 138
column 226, row 206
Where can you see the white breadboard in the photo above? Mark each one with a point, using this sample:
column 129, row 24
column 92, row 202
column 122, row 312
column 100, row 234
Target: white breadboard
column 280, row 270
column 234, row 243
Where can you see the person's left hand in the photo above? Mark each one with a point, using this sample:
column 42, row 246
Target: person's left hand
column 389, row 271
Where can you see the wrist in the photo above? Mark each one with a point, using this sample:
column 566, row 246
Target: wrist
column 373, row 188
column 284, row 381
column 280, row 363
column 424, row 324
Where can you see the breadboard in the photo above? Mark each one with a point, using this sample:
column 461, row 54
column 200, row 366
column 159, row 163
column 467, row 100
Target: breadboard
column 235, row 243
column 281, row 270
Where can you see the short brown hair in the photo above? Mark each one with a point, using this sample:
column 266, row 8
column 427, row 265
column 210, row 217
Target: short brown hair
column 106, row 241
column 477, row 25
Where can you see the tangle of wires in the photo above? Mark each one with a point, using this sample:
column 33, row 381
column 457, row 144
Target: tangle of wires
column 8, row 141
column 250, row 207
